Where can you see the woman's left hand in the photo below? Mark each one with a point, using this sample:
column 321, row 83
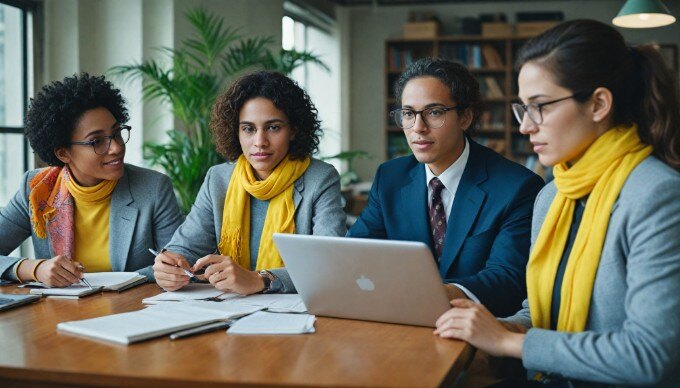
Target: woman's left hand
column 473, row 323
column 223, row 273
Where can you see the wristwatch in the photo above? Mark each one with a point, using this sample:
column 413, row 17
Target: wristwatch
column 268, row 278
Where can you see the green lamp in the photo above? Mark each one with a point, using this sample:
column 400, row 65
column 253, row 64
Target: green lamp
column 643, row 14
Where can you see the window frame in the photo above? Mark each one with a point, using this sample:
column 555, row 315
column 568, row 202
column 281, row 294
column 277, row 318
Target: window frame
column 26, row 7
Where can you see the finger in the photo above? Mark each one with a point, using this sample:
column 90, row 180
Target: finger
column 213, row 269
column 172, row 286
column 463, row 303
column 453, row 333
column 63, row 278
column 172, row 258
column 446, row 316
column 224, row 286
column 206, row 261
column 169, row 269
column 182, row 277
column 67, row 264
column 62, row 270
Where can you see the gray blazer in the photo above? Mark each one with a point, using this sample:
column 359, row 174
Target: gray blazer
column 144, row 214
column 632, row 335
column 318, row 211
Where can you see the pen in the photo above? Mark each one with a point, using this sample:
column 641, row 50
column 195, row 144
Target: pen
column 86, row 282
column 186, row 271
column 82, row 267
column 201, row 329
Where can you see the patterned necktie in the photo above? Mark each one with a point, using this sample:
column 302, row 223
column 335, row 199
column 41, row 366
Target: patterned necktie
column 437, row 216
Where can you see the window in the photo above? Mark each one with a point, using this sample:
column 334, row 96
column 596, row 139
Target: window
column 13, row 93
column 303, row 30
column 14, row 76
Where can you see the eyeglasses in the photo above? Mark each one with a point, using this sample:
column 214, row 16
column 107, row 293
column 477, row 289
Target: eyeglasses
column 433, row 117
column 535, row 109
column 101, row 144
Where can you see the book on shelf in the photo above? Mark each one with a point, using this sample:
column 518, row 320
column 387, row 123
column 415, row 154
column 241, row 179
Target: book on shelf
column 492, row 121
column 399, row 59
column 492, row 58
column 493, row 88
column 474, row 56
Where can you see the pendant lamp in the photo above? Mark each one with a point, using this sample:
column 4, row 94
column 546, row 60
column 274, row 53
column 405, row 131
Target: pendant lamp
column 643, row 14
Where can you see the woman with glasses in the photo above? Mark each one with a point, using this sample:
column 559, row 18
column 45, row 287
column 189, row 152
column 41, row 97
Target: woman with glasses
column 88, row 211
column 267, row 128
column 603, row 277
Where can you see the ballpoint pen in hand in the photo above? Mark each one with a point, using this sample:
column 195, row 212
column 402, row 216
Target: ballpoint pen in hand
column 186, row 271
column 82, row 268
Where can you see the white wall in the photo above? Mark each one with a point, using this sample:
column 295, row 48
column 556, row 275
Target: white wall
column 369, row 27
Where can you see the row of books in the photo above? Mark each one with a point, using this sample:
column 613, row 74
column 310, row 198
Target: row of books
column 399, row 58
column 474, row 56
column 492, row 120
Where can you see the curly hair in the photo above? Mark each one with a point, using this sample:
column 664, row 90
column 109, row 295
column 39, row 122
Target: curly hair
column 286, row 95
column 462, row 84
column 54, row 113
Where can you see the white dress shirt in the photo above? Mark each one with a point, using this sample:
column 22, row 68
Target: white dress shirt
column 450, row 178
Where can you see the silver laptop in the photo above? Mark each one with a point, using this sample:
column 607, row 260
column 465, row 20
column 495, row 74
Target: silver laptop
column 374, row 280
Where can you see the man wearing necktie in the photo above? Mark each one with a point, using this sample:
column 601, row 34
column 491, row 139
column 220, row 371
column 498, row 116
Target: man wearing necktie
column 470, row 205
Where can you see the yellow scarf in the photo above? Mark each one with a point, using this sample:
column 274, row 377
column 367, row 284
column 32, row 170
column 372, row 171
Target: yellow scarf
column 278, row 188
column 600, row 173
column 51, row 205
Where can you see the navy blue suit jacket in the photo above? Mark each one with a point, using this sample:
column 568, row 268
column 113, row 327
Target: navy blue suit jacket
column 488, row 232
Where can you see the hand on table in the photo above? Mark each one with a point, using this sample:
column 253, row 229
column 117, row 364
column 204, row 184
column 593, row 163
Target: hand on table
column 473, row 323
column 223, row 273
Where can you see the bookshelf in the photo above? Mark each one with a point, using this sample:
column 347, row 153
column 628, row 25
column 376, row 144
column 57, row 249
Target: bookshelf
column 491, row 60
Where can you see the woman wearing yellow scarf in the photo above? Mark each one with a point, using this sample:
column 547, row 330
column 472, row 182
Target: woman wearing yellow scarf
column 603, row 277
column 267, row 128
column 88, row 211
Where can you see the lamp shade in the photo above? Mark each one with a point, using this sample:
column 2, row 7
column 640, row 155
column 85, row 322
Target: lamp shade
column 643, row 14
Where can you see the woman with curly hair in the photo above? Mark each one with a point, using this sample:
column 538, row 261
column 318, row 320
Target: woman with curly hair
column 89, row 210
column 267, row 128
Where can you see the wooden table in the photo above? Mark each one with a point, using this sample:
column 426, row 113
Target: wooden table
column 340, row 353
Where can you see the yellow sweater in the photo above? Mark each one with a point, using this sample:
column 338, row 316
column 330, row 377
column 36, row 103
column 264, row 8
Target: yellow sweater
column 91, row 219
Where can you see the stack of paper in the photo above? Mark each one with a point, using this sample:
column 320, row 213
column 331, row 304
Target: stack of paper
column 153, row 321
column 193, row 291
column 279, row 303
column 272, row 323
column 71, row 292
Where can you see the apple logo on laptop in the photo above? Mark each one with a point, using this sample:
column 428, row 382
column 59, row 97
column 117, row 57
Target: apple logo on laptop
column 365, row 283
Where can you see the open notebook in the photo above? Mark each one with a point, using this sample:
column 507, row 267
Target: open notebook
column 71, row 292
column 108, row 281
column 154, row 321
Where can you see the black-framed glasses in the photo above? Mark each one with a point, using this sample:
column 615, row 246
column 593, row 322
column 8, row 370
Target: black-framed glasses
column 535, row 109
column 434, row 117
column 101, row 144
